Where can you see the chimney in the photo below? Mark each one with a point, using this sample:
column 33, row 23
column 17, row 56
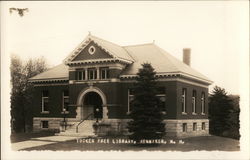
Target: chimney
column 186, row 55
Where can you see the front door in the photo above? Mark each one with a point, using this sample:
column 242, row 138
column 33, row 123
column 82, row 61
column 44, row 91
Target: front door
column 92, row 105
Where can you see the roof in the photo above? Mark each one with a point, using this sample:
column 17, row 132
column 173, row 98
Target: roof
column 58, row 72
column 163, row 62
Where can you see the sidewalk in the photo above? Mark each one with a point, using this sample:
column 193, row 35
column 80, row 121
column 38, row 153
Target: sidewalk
column 40, row 141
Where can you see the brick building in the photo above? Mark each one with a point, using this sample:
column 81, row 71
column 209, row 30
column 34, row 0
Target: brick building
column 96, row 81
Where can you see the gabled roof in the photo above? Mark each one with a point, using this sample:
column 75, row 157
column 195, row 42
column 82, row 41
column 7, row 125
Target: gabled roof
column 116, row 51
column 163, row 62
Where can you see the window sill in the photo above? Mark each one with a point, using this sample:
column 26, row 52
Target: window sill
column 184, row 113
column 45, row 112
column 66, row 112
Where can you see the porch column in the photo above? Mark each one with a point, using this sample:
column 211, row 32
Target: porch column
column 78, row 112
column 105, row 112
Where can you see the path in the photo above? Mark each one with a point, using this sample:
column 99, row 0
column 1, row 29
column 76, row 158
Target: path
column 40, row 141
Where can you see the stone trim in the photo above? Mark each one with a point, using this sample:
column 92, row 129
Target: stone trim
column 167, row 79
column 174, row 74
column 81, row 96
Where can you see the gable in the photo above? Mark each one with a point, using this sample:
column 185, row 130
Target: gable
column 86, row 54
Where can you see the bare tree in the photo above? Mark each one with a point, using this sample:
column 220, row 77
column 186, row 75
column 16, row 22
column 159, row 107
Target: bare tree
column 21, row 90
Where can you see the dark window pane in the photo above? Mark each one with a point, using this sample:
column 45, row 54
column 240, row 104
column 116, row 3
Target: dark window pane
column 66, row 93
column 45, row 124
column 161, row 90
column 45, row 93
column 131, row 91
column 162, row 101
column 95, row 74
column 66, row 104
column 103, row 74
column 107, row 73
column 45, row 104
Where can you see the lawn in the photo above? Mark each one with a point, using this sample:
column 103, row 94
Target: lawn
column 18, row 137
column 208, row 143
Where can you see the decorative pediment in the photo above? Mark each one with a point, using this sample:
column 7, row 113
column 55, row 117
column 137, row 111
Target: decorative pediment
column 90, row 52
column 95, row 50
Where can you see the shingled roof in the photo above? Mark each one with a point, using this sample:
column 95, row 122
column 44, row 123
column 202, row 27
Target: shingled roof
column 163, row 62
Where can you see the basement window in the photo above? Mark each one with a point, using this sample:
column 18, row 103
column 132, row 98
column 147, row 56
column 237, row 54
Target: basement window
column 45, row 124
column 203, row 126
column 194, row 126
column 184, row 127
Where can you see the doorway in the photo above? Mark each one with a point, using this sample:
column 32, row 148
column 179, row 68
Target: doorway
column 92, row 103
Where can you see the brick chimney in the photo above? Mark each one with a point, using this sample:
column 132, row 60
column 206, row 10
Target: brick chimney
column 186, row 55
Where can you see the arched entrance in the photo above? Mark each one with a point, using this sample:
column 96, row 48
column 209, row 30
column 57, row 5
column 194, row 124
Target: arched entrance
column 92, row 104
column 89, row 99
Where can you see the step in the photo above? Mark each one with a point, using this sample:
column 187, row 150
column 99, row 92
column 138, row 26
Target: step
column 85, row 129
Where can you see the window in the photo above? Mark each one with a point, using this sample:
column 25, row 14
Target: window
column 104, row 73
column 183, row 100
column 91, row 50
column 45, row 124
column 203, row 126
column 202, row 103
column 162, row 97
column 131, row 98
column 92, row 73
column 194, row 102
column 45, row 101
column 80, row 75
column 65, row 101
column 194, row 126
column 184, row 127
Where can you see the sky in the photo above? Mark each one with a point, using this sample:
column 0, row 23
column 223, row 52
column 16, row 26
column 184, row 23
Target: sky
column 216, row 32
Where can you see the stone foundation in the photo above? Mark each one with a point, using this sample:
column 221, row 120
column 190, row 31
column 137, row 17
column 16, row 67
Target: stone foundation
column 174, row 128
column 54, row 124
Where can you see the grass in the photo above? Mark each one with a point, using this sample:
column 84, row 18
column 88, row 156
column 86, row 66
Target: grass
column 18, row 137
column 208, row 143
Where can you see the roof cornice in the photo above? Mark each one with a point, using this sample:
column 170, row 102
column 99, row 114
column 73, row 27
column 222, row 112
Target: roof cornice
column 49, row 80
column 173, row 74
column 93, row 61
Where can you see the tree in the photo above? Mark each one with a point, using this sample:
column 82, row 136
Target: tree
column 21, row 93
column 223, row 114
column 146, row 112
column 234, row 118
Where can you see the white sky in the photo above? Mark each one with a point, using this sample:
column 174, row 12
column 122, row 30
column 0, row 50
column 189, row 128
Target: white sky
column 217, row 32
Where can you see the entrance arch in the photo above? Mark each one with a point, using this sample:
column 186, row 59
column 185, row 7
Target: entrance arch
column 84, row 95
column 92, row 104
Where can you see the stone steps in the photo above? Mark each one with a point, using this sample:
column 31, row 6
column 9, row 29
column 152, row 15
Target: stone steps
column 85, row 129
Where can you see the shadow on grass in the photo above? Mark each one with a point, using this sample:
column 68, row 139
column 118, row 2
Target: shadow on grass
column 19, row 137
